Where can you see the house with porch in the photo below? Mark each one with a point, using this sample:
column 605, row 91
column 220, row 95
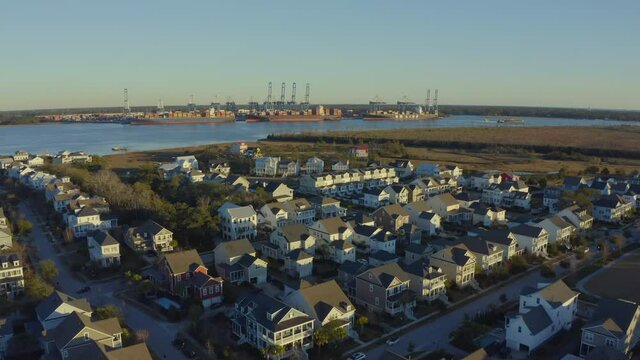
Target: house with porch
column 385, row 289
column 559, row 230
column 238, row 222
column 427, row 281
column 577, row 216
column 237, row 262
column 449, row 209
column 532, row 239
column 614, row 325
column 391, row 217
column 457, row 262
column 611, row 209
column 104, row 250
column 150, row 236
column 185, row 275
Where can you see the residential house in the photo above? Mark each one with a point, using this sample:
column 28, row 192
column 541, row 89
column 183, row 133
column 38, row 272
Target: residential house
column 533, row 239
column 488, row 256
column 21, row 155
column 385, row 289
column 614, row 325
column 340, row 166
column 603, row 187
column 104, row 250
column 559, row 230
column 288, row 168
column 327, row 207
column 266, row 166
column 220, row 167
column 328, row 230
column 479, row 181
column 263, row 322
column 237, row 181
column 3, row 220
column 425, row 280
column 5, row 163
column 57, row 306
column 427, row 169
column 611, row 209
column 449, row 209
column 488, row 215
column 87, row 219
column 348, row 182
column 187, row 163
column 422, row 216
column 451, row 170
column 186, row 276
column 238, row 148
column 503, row 239
column 298, row 211
column 298, row 263
column 325, row 303
column 238, row 222
column 287, row 238
column 457, row 263
column 374, row 238
column 509, row 194
column 404, row 168
column 280, row 192
column 577, row 216
column 467, row 199
column 551, row 198
column 391, row 217
column 77, row 333
column 195, row 176
column 150, row 236
column 314, row 165
column 379, row 258
column 416, row 193
column 360, row 152
column 417, row 252
column 11, row 275
column 6, row 239
column 375, row 198
column 543, row 312
column 574, row 183
column 236, row 261
column 347, row 272
column 35, row 161
column 398, row 194
column 340, row 251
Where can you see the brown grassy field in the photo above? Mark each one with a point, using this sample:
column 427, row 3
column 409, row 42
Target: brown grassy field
column 618, row 137
column 627, row 138
column 619, row 281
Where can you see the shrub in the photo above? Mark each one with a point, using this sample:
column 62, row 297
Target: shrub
column 547, row 271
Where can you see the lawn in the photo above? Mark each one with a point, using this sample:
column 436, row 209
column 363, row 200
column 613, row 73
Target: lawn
column 618, row 280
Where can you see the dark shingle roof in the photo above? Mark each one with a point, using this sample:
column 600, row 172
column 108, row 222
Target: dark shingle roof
column 103, row 238
column 182, row 261
column 614, row 315
column 527, row 230
column 536, row 319
column 57, row 298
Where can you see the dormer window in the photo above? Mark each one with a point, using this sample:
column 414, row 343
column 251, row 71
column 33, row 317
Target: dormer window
column 86, row 336
column 5, row 265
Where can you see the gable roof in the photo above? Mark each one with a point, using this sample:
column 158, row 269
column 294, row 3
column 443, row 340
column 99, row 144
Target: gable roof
column 57, row 298
column 325, row 297
column 555, row 294
column 385, row 274
column 528, row 230
column 103, row 238
column 235, row 248
column 479, row 245
column 498, row 236
column 614, row 316
column 87, row 211
column 610, row 201
column 393, row 210
column 295, row 232
column 182, row 261
column 536, row 319
column 333, row 225
column 74, row 323
column 258, row 305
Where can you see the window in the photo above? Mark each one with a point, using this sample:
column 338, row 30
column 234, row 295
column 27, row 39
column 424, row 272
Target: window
column 519, row 329
column 377, row 301
column 610, row 342
column 86, row 336
column 370, row 287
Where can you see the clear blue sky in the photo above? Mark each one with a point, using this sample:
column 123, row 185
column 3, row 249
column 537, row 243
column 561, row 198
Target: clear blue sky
column 80, row 53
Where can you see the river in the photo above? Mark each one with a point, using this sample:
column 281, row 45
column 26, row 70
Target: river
column 100, row 138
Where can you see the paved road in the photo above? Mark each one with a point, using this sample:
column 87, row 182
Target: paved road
column 434, row 335
column 160, row 332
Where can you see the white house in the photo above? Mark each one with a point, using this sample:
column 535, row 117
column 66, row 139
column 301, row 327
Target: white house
column 559, row 230
column 340, row 165
column 543, row 312
column 238, row 222
column 87, row 219
column 612, row 208
column 314, row 165
column 57, row 306
column 533, row 239
column 423, row 216
column 104, row 250
column 266, row 166
column 577, row 216
column 375, row 198
column 236, row 262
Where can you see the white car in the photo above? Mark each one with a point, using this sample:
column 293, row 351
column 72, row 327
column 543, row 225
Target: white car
column 358, row 356
column 393, row 340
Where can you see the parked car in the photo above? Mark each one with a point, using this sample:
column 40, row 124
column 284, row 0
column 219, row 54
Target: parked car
column 393, row 340
column 358, row 356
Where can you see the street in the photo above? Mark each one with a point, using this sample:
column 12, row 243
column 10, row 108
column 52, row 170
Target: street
column 160, row 333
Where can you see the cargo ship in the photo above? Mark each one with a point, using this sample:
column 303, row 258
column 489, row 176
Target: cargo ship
column 510, row 121
column 317, row 114
column 184, row 118
column 407, row 116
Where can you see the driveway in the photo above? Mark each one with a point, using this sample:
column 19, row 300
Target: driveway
column 434, row 335
column 160, row 333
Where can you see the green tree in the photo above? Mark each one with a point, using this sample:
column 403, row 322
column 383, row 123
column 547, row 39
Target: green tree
column 36, row 288
column 48, row 270
column 195, row 312
column 108, row 312
column 321, row 337
column 24, row 227
column 362, row 321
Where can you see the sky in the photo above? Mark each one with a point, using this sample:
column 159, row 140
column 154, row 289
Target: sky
column 78, row 53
